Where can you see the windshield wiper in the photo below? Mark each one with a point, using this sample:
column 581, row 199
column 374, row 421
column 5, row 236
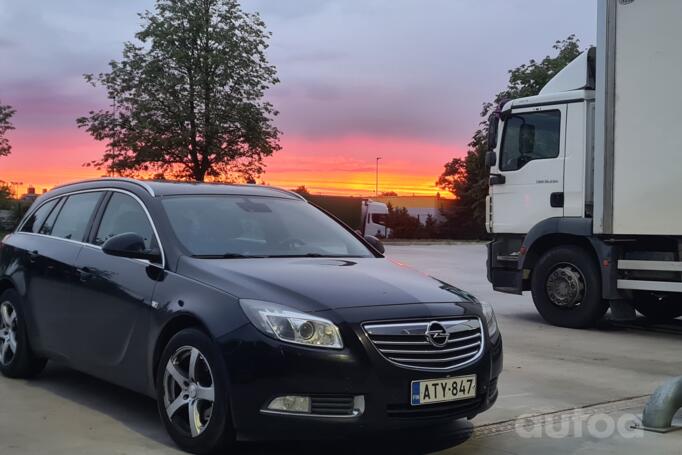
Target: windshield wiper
column 226, row 256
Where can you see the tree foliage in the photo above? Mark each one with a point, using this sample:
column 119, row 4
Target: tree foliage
column 187, row 96
column 6, row 113
column 467, row 178
column 302, row 190
column 5, row 193
column 405, row 226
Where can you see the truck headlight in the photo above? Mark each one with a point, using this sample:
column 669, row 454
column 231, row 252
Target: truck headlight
column 292, row 326
column 490, row 320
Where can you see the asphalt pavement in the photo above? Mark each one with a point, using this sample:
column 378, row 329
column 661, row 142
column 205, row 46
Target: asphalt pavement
column 577, row 391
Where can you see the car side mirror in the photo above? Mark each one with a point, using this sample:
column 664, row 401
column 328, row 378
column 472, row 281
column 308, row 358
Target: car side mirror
column 376, row 243
column 130, row 245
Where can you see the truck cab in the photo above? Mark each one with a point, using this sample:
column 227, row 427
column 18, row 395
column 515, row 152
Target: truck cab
column 375, row 216
column 583, row 204
column 540, row 163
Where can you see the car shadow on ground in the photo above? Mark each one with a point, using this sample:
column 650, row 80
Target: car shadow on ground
column 408, row 442
column 138, row 413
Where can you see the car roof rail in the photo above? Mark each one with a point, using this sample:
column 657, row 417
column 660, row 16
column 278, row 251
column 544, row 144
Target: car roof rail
column 139, row 183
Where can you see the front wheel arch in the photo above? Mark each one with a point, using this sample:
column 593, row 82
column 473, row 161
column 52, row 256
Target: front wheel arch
column 170, row 328
column 544, row 244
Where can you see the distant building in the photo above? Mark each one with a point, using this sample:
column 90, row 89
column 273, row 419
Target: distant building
column 419, row 206
column 30, row 196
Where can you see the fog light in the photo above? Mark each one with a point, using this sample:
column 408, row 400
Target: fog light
column 291, row 403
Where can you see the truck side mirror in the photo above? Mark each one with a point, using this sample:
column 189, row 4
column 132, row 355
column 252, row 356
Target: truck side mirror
column 490, row 159
column 493, row 128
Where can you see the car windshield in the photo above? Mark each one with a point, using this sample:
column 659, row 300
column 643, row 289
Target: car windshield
column 227, row 226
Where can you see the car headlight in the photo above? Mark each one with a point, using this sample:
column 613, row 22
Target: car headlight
column 283, row 323
column 490, row 320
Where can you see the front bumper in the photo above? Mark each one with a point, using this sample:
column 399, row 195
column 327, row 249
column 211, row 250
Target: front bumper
column 261, row 368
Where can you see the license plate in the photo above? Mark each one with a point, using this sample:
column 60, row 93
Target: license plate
column 443, row 390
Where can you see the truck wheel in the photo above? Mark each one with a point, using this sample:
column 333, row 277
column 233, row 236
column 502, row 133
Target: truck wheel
column 658, row 307
column 566, row 288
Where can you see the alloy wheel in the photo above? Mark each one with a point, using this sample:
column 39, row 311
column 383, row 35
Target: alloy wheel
column 188, row 391
column 8, row 333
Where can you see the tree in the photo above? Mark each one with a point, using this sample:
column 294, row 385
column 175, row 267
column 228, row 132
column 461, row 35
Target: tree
column 187, row 98
column 303, row 191
column 6, row 113
column 5, row 194
column 401, row 223
column 467, row 178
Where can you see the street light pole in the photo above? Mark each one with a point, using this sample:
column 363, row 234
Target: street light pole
column 376, row 190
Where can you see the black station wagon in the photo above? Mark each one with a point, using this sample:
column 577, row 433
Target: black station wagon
column 244, row 310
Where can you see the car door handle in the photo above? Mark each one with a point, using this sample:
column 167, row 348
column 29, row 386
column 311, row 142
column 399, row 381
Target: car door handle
column 85, row 273
column 33, row 256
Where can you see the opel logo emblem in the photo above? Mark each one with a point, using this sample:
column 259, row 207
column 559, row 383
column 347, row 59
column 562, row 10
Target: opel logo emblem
column 436, row 334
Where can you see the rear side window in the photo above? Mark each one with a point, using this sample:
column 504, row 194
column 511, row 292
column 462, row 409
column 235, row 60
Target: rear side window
column 36, row 220
column 75, row 215
column 46, row 228
column 125, row 215
column 528, row 137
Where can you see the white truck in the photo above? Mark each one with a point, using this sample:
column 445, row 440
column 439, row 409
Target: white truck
column 585, row 200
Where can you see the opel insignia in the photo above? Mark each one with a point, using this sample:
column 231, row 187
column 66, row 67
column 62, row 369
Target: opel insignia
column 245, row 311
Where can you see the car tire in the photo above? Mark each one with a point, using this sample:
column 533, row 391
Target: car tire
column 196, row 424
column 17, row 359
column 658, row 307
column 566, row 288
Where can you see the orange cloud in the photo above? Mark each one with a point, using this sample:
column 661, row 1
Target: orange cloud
column 331, row 166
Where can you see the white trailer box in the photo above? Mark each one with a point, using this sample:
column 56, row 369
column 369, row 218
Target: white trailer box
column 641, row 92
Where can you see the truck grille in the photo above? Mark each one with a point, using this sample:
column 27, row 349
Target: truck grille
column 428, row 345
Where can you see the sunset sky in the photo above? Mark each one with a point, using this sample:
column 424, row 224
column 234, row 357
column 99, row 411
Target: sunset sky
column 400, row 79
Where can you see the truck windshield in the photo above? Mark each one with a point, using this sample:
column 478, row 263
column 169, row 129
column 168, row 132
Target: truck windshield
column 226, row 226
column 530, row 136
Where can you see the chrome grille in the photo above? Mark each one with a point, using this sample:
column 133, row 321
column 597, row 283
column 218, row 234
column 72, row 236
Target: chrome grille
column 428, row 345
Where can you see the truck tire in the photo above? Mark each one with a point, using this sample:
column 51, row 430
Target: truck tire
column 658, row 307
column 566, row 288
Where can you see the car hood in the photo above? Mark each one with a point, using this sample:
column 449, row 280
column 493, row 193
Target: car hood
column 318, row 284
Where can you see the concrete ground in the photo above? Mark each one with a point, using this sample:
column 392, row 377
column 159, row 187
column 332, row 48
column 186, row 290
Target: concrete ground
column 549, row 372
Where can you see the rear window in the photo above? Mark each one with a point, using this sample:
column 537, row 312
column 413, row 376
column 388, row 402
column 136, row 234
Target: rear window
column 36, row 220
column 46, row 228
column 74, row 217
